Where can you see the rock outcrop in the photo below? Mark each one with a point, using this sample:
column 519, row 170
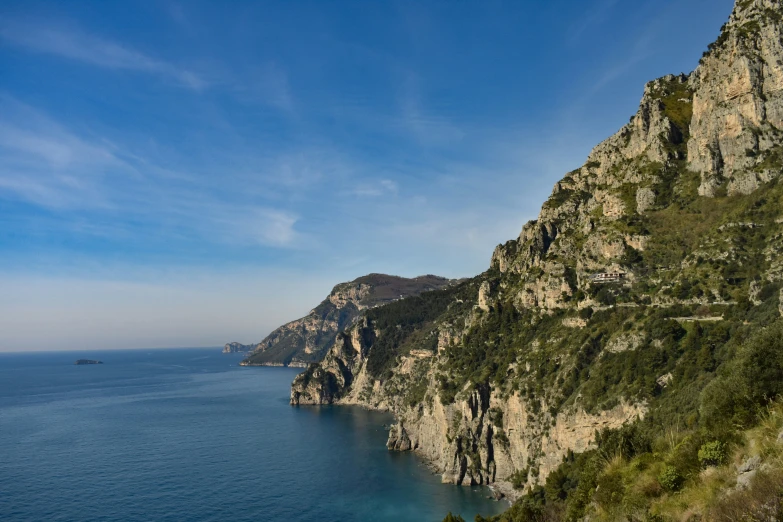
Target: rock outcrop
column 738, row 102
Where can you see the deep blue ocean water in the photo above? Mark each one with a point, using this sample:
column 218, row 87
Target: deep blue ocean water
column 186, row 435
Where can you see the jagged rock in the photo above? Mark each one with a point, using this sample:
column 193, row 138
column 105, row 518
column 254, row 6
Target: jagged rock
column 639, row 138
column 744, row 479
column 484, row 297
column 637, row 242
column 624, row 342
column 753, row 293
column 750, row 464
column 574, row 322
column 738, row 101
column 664, row 380
column 398, row 439
column 747, row 470
column 645, row 199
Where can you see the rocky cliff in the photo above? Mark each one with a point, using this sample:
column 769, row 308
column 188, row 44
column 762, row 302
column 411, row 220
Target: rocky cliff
column 235, row 347
column 305, row 340
column 617, row 305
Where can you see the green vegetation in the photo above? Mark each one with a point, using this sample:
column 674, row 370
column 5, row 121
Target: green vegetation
column 708, row 384
column 653, row 469
column 712, row 453
column 722, row 374
column 677, row 99
column 510, row 337
column 406, row 324
column 746, row 383
column 564, row 195
column 670, row 478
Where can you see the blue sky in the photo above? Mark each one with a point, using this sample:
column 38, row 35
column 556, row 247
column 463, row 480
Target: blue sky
column 189, row 173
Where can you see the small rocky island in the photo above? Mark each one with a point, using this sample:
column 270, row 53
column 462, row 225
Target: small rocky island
column 87, row 361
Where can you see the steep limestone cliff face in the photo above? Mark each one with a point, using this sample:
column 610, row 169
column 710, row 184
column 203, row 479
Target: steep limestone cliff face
column 738, row 102
column 589, row 222
column 485, row 436
column 338, row 370
column 305, row 340
column 609, row 306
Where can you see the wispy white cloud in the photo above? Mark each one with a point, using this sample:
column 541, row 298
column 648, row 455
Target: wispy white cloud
column 425, row 127
column 256, row 225
column 623, row 60
column 76, row 45
column 26, row 130
column 374, row 189
column 597, row 14
column 411, row 117
column 274, row 227
column 44, row 163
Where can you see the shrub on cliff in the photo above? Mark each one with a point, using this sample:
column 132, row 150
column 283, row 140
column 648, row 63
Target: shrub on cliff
column 712, row 453
column 748, row 382
column 670, row 478
column 453, row 518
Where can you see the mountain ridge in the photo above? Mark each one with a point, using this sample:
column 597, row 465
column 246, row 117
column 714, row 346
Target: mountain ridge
column 651, row 271
column 302, row 341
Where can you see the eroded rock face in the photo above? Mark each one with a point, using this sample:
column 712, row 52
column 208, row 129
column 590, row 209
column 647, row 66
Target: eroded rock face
column 482, row 439
column 398, row 438
column 326, row 383
column 625, row 342
column 645, row 199
column 622, row 178
column 483, row 296
column 738, row 102
column 646, row 136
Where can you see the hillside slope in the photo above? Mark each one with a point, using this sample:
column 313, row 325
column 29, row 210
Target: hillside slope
column 305, row 340
column 616, row 317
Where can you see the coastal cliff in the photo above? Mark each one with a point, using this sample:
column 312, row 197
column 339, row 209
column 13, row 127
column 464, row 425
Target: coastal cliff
column 306, row 340
column 235, row 347
column 612, row 317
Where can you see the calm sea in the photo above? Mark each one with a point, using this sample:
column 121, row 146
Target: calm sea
column 188, row 435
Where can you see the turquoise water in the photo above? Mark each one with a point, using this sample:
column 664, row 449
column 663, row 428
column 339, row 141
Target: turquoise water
column 189, row 435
